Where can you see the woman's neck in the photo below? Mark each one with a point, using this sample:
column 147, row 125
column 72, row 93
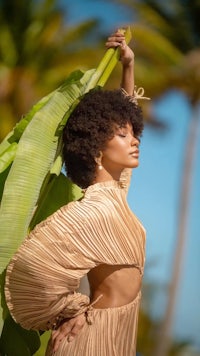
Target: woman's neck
column 102, row 175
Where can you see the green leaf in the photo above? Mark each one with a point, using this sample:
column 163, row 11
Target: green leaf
column 74, row 77
column 3, row 300
column 36, row 151
column 8, row 146
column 16, row 341
column 5, row 143
column 57, row 165
column 44, row 338
column 58, row 192
column 21, row 126
column 3, row 177
column 7, row 157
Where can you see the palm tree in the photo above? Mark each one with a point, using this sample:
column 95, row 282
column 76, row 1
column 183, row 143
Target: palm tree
column 37, row 51
column 167, row 38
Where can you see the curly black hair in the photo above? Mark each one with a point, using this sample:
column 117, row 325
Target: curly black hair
column 92, row 123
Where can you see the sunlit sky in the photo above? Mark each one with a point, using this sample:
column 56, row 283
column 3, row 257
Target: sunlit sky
column 154, row 194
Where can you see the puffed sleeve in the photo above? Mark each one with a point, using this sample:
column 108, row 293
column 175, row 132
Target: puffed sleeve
column 43, row 276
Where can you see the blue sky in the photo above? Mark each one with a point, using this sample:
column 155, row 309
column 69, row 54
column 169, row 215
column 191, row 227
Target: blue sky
column 110, row 15
column 154, row 194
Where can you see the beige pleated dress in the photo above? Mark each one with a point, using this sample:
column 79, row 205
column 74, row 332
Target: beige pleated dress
column 44, row 275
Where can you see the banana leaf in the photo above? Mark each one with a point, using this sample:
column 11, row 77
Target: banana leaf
column 32, row 172
column 57, row 193
column 3, row 177
column 35, row 155
column 16, row 341
column 8, row 156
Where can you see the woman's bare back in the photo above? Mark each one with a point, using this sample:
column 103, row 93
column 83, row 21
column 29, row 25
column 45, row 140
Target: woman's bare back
column 118, row 285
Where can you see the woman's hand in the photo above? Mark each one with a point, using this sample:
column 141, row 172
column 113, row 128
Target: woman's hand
column 69, row 328
column 117, row 39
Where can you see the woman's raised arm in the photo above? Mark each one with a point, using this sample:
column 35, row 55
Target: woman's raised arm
column 117, row 39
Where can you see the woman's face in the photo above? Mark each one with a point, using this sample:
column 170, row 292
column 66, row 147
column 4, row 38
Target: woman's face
column 122, row 151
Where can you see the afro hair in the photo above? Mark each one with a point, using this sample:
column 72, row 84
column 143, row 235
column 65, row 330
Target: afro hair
column 92, row 123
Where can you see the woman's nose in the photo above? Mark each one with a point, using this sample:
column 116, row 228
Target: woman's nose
column 135, row 141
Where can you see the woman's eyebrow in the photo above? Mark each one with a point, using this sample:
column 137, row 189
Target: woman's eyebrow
column 124, row 129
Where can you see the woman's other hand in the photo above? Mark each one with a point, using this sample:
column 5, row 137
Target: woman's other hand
column 69, row 329
column 117, row 39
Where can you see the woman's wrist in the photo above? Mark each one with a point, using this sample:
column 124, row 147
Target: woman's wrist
column 128, row 64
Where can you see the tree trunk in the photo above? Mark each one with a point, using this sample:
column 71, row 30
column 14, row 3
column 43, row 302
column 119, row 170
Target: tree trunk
column 164, row 339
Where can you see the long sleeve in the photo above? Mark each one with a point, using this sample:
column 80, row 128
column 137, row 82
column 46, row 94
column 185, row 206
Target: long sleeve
column 43, row 276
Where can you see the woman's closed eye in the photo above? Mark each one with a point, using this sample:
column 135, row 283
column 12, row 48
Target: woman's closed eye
column 122, row 134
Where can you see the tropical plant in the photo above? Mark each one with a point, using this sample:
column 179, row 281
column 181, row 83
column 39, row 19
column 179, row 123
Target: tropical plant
column 167, row 37
column 37, row 50
column 35, row 177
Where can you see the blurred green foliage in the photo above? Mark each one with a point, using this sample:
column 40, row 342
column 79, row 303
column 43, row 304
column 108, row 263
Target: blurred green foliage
column 37, row 51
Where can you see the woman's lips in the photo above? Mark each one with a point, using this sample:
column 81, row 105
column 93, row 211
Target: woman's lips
column 135, row 154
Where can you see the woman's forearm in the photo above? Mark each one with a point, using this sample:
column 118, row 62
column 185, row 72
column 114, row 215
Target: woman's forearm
column 127, row 82
column 117, row 39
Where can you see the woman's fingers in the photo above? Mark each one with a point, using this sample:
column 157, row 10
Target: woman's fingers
column 59, row 334
column 114, row 42
column 116, row 39
column 69, row 328
column 77, row 326
column 123, row 45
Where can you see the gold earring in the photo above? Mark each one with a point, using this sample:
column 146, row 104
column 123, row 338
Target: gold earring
column 98, row 162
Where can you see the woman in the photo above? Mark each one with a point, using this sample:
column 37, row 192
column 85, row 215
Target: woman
column 98, row 235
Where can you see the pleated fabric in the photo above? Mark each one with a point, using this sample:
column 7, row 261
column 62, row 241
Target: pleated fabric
column 43, row 276
column 113, row 332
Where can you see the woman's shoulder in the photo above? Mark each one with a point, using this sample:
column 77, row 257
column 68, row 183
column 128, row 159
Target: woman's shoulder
column 58, row 219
